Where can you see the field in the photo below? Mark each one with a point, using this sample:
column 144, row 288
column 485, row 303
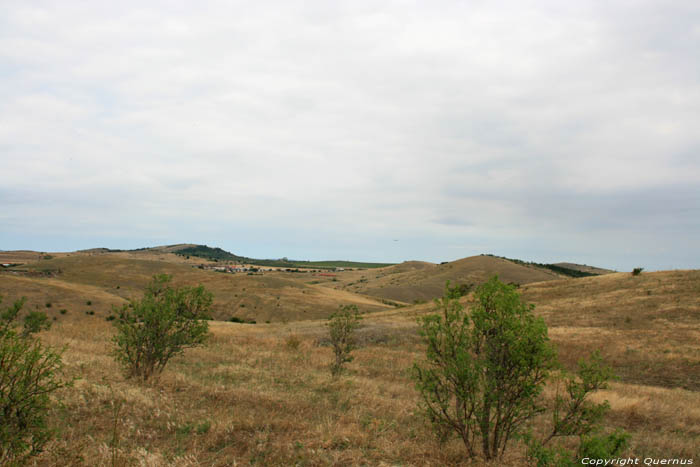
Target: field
column 263, row 394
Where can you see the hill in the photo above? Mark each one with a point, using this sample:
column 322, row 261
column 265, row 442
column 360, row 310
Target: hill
column 417, row 281
column 216, row 254
column 584, row 268
column 264, row 395
column 109, row 279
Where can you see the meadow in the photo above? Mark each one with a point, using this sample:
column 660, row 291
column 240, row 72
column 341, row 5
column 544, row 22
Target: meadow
column 263, row 394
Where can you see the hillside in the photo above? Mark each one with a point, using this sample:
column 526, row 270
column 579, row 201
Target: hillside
column 109, row 279
column 647, row 325
column 418, row 281
column 207, row 253
column 584, row 268
column 263, row 394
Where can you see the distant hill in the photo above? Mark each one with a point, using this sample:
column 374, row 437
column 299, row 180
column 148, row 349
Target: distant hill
column 566, row 269
column 212, row 254
column 585, row 268
column 416, row 281
column 104, row 280
column 218, row 254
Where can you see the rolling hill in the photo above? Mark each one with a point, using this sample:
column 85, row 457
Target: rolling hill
column 110, row 279
column 417, row 281
column 263, row 394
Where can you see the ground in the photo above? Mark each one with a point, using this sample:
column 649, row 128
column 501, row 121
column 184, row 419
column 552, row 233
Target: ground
column 263, row 394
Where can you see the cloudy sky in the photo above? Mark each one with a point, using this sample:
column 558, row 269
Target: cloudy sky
column 364, row 130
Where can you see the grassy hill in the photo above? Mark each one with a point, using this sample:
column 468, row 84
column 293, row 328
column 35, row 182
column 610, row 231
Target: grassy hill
column 263, row 394
column 217, row 254
column 275, row 296
column 418, row 281
column 584, row 268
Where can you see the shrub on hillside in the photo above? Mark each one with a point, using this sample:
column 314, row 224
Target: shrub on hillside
column 29, row 374
column 341, row 328
column 160, row 326
column 34, row 322
column 637, row 271
column 485, row 372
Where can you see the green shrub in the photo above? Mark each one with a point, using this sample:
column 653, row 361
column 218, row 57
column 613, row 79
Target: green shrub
column 236, row 319
column 29, row 374
column 63, row 311
column 160, row 326
column 637, row 271
column 603, row 446
column 35, row 322
column 485, row 372
column 341, row 327
column 203, row 427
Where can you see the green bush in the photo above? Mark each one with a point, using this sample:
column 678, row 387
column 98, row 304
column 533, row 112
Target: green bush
column 35, row 322
column 29, row 374
column 485, row 372
column 637, row 271
column 160, row 326
column 341, row 327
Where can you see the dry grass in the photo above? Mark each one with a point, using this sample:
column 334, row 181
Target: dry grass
column 110, row 279
column 416, row 281
column 263, row 394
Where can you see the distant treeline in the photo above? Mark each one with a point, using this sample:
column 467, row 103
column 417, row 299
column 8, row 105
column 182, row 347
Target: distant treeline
column 213, row 254
column 552, row 267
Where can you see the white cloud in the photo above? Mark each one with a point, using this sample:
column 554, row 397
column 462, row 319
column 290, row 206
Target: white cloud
column 501, row 123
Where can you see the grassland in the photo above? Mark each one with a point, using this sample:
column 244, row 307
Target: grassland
column 263, row 394
column 206, row 253
column 108, row 279
column 417, row 281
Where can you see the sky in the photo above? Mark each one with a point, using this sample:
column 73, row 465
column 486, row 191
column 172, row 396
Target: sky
column 377, row 131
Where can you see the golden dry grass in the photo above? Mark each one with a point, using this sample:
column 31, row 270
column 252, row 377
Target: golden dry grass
column 263, row 394
column 110, row 279
column 417, row 281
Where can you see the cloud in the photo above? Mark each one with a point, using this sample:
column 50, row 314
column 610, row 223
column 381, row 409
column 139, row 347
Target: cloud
column 523, row 128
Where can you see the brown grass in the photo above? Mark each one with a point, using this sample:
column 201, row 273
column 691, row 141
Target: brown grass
column 110, row 279
column 263, row 394
column 416, row 281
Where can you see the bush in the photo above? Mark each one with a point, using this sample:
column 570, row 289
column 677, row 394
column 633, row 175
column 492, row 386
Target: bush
column 341, row 327
column 293, row 342
column 35, row 322
column 29, row 374
column 637, row 271
column 485, row 372
column 160, row 326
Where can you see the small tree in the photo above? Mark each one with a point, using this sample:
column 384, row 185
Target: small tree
column 29, row 374
column 160, row 326
column 341, row 327
column 637, row 271
column 486, row 369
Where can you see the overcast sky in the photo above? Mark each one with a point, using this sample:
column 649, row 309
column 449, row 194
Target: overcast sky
column 385, row 131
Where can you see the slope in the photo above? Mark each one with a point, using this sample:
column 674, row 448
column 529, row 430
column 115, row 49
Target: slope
column 275, row 296
column 417, row 281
